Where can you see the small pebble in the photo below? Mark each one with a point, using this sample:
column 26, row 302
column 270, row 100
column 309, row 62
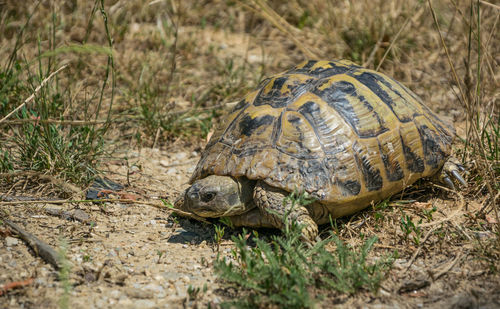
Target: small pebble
column 181, row 156
column 154, row 288
column 144, row 303
column 11, row 241
column 139, row 293
column 180, row 289
column 125, row 302
column 115, row 294
column 40, row 281
column 101, row 302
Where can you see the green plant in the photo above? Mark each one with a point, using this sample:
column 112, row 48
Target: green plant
column 226, row 221
column 54, row 136
column 193, row 292
column 5, row 161
column 379, row 211
column 286, row 271
column 428, row 213
column 219, row 234
column 408, row 226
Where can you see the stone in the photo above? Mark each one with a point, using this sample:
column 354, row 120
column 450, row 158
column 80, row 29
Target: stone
column 139, row 293
column 180, row 289
column 157, row 289
column 115, row 294
column 181, row 156
column 144, row 303
column 11, row 241
column 101, row 302
column 171, row 276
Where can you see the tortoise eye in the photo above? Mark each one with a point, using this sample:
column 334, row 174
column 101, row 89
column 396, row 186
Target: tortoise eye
column 208, row 196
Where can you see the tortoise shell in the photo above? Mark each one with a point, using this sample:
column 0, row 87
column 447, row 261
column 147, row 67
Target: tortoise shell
column 334, row 129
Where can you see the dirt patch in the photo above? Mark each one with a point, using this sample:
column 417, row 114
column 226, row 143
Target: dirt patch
column 140, row 256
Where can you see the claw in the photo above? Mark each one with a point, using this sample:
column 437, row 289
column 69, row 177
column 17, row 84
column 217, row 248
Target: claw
column 447, row 181
column 458, row 177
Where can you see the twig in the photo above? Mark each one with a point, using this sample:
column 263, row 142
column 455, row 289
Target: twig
column 178, row 211
column 448, row 267
column 181, row 163
column 281, row 24
column 67, row 186
column 14, row 285
column 394, row 40
column 489, row 170
column 202, row 109
column 53, row 121
column 448, row 57
column 43, row 250
column 31, row 97
column 414, row 256
column 490, row 4
column 14, row 198
column 75, row 214
column 454, row 214
column 375, row 48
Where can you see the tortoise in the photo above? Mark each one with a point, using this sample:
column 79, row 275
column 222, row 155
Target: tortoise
column 345, row 135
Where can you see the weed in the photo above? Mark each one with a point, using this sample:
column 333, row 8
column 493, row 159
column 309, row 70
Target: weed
column 219, row 234
column 160, row 255
column 379, row 211
column 428, row 213
column 193, row 292
column 5, row 161
column 43, row 141
column 226, row 221
column 408, row 227
column 286, row 271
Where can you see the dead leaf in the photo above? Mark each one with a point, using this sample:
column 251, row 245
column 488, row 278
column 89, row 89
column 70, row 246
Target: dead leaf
column 422, row 204
column 209, row 135
column 490, row 219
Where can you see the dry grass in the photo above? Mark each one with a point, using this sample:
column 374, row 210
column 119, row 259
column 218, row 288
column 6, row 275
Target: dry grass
column 178, row 64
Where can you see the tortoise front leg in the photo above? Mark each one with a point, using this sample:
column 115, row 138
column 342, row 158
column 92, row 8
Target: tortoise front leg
column 251, row 219
column 270, row 202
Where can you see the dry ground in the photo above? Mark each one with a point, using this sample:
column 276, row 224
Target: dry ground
column 139, row 256
column 178, row 65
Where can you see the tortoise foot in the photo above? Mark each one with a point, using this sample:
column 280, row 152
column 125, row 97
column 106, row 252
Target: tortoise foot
column 309, row 229
column 270, row 201
column 451, row 172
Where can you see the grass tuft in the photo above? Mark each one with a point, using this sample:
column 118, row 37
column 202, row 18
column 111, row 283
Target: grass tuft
column 288, row 272
column 43, row 136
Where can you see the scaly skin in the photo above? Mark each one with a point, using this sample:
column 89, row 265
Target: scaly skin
column 270, row 202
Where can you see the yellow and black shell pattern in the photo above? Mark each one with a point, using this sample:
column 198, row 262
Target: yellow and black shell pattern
column 339, row 131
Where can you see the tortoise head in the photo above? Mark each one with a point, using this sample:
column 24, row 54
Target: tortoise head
column 218, row 196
